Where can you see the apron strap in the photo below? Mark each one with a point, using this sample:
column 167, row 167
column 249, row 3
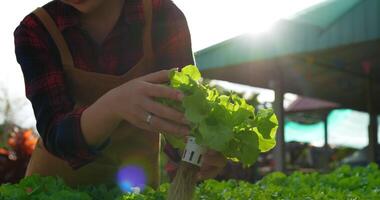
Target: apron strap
column 51, row 27
column 66, row 57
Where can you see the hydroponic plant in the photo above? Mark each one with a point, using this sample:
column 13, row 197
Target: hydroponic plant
column 224, row 123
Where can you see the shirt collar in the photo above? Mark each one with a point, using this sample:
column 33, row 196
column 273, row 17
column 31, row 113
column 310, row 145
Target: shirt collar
column 67, row 16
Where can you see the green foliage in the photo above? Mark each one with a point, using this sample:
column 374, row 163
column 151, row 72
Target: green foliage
column 40, row 188
column 343, row 183
column 225, row 123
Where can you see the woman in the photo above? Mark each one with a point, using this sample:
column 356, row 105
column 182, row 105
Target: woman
column 92, row 69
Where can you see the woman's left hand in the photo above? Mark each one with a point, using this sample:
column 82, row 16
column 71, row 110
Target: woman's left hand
column 213, row 164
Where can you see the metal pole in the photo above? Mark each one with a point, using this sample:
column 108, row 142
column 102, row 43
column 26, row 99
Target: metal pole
column 372, row 127
column 372, row 137
column 326, row 145
column 326, row 131
column 279, row 151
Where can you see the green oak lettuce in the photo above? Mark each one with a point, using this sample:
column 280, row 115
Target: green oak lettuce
column 341, row 184
column 225, row 123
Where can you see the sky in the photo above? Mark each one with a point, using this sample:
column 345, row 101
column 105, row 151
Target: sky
column 210, row 22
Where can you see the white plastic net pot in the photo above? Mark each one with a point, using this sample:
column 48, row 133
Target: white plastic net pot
column 193, row 153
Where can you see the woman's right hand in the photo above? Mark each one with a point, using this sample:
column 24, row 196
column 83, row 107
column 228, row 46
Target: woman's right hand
column 134, row 102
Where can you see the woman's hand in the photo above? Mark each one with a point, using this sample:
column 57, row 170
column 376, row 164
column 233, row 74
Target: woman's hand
column 134, row 102
column 213, row 164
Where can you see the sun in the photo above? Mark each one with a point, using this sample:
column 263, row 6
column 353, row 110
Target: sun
column 213, row 21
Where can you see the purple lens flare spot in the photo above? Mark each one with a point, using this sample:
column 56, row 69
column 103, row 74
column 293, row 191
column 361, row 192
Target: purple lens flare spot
column 131, row 176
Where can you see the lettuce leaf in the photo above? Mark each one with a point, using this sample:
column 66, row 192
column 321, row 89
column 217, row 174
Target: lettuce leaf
column 225, row 123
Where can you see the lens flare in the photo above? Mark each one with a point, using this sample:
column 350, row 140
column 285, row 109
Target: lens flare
column 130, row 177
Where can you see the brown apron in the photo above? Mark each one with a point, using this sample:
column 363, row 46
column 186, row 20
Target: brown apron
column 128, row 145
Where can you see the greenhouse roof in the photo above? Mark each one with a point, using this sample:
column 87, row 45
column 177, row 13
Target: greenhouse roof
column 330, row 24
column 326, row 13
column 327, row 52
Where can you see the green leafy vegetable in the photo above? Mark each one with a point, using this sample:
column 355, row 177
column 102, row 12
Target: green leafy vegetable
column 36, row 187
column 226, row 123
column 341, row 184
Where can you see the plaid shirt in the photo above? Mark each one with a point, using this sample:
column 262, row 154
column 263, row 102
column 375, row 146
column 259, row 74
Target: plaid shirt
column 57, row 121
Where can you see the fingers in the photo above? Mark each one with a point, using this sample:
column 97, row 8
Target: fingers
column 155, row 90
column 157, row 77
column 214, row 159
column 208, row 172
column 212, row 165
column 158, row 124
column 164, row 111
column 168, row 127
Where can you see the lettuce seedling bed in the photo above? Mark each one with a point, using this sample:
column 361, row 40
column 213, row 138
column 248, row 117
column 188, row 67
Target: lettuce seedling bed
column 343, row 183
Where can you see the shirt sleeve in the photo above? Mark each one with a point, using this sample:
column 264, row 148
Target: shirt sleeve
column 58, row 123
column 173, row 41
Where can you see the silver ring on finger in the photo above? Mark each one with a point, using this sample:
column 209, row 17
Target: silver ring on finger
column 148, row 119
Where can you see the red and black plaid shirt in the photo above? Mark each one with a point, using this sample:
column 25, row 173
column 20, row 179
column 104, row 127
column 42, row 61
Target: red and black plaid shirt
column 58, row 123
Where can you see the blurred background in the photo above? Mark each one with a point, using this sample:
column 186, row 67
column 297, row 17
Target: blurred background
column 316, row 62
